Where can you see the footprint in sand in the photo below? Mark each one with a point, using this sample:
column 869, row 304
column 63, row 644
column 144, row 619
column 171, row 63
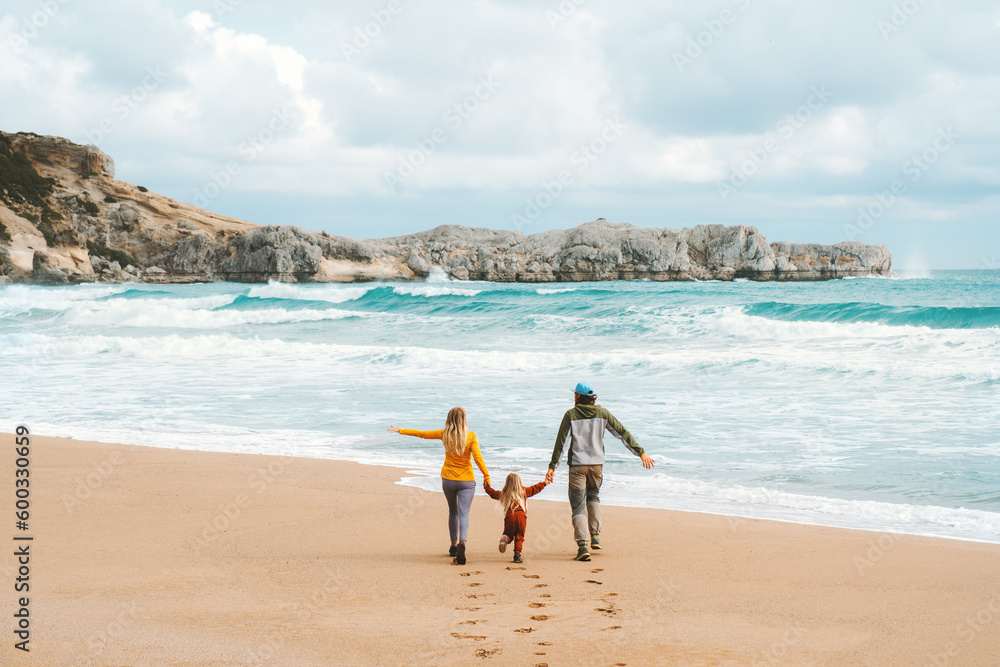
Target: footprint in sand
column 459, row 635
column 595, row 570
column 475, row 584
column 531, row 576
column 613, row 627
column 469, row 574
column 481, row 595
column 525, row 630
column 540, row 617
column 471, row 622
column 467, row 608
column 610, row 611
column 517, row 568
column 610, row 594
column 536, row 605
column 544, row 595
column 541, row 664
column 540, row 585
column 591, row 581
column 543, row 643
column 486, row 653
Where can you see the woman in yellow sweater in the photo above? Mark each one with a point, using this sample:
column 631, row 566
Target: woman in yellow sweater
column 458, row 481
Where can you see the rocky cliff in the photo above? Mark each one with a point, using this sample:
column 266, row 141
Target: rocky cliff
column 65, row 219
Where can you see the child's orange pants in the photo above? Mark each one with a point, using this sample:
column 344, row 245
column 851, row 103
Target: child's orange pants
column 513, row 527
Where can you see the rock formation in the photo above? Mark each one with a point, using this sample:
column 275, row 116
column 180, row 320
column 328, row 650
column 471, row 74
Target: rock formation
column 65, row 219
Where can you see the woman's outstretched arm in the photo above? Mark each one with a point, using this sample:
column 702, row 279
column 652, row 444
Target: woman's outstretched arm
column 426, row 435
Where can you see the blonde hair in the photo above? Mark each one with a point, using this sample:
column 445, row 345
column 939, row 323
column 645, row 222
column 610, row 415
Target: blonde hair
column 513, row 493
column 456, row 432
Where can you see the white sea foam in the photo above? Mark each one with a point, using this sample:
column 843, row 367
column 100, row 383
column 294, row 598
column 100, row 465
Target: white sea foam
column 943, row 360
column 556, row 290
column 324, row 292
column 187, row 314
column 21, row 298
column 687, row 495
column 430, row 290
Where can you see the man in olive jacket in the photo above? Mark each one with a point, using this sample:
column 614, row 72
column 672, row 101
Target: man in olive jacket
column 582, row 430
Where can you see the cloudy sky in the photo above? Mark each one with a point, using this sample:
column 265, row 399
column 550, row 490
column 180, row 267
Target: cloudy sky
column 872, row 120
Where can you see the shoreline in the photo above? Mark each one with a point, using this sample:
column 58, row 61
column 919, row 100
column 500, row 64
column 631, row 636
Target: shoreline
column 188, row 557
column 415, row 472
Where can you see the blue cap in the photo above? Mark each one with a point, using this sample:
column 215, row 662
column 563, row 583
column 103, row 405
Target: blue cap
column 584, row 389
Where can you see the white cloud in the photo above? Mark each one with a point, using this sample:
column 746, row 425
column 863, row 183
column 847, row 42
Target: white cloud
column 227, row 76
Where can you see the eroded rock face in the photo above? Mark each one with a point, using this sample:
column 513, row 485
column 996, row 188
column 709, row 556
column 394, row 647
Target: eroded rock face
column 90, row 160
column 274, row 252
column 87, row 215
column 602, row 250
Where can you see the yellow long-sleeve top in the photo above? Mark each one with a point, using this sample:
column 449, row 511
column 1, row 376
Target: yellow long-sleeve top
column 456, row 468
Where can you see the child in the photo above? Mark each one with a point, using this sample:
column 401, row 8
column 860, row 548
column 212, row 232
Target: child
column 513, row 499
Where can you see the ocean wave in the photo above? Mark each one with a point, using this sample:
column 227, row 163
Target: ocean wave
column 157, row 316
column 894, row 358
column 731, row 499
column 332, row 293
column 22, row 298
column 934, row 317
column 433, row 289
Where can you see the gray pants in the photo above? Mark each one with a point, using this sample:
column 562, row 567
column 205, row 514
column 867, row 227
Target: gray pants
column 585, row 500
column 459, row 495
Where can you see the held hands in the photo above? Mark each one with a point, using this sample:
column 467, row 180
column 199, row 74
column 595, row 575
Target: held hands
column 550, row 475
column 393, row 429
column 647, row 461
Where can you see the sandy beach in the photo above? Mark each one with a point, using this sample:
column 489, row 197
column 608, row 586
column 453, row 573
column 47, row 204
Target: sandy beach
column 146, row 556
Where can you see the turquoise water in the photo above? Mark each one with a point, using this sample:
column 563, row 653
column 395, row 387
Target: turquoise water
column 869, row 403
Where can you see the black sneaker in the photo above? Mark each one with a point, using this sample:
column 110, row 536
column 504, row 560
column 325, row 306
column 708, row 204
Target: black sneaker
column 453, row 551
column 595, row 543
column 460, row 556
column 517, row 558
column 583, row 553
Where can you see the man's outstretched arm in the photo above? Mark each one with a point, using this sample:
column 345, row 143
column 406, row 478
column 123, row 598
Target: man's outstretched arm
column 619, row 431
